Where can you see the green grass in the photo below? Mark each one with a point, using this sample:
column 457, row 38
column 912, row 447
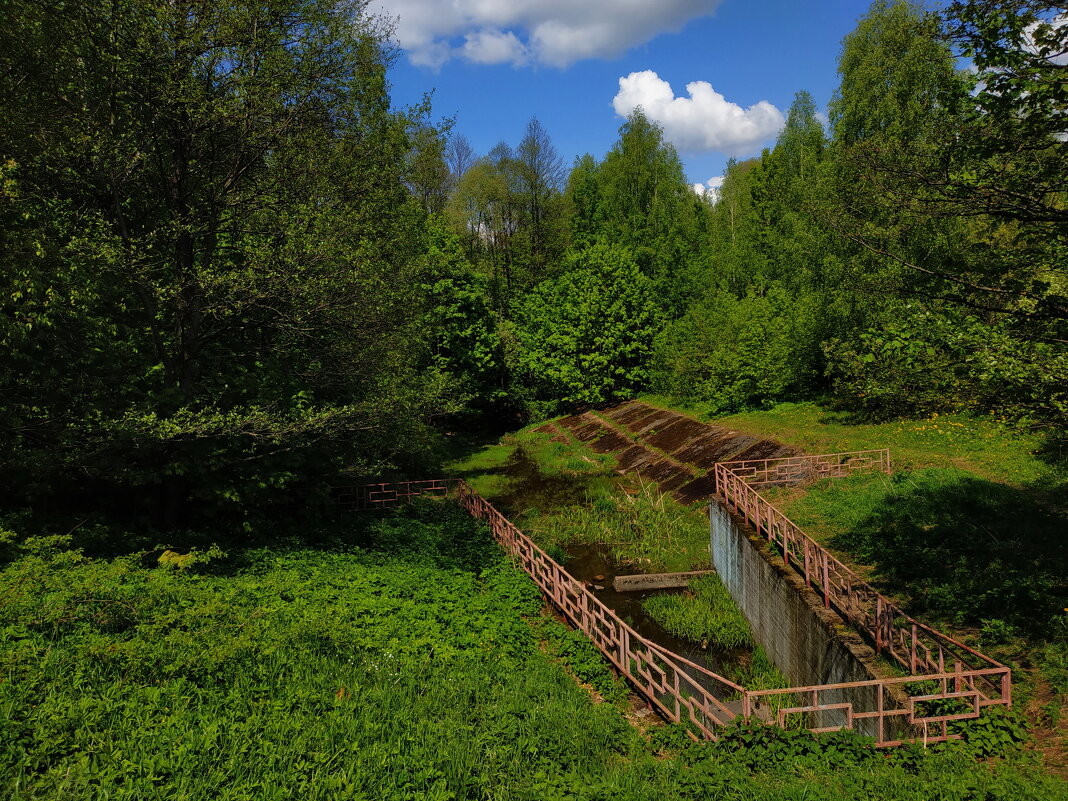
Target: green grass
column 555, row 458
column 958, row 548
column 980, row 445
column 482, row 467
column 705, row 614
column 398, row 657
column 642, row 527
column 500, row 469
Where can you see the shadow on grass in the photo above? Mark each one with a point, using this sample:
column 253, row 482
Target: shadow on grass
column 966, row 549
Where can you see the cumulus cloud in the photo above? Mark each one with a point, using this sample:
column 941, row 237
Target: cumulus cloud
column 710, row 188
column 494, row 47
column 704, row 121
column 553, row 32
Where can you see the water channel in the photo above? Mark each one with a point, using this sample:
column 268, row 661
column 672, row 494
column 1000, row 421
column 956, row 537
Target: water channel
column 528, row 489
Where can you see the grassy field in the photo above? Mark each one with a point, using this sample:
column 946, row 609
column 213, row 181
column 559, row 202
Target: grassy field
column 396, row 657
column 984, row 447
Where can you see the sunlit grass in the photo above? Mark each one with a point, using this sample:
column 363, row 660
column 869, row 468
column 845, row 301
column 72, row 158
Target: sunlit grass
column 644, row 528
column 705, row 614
column 558, row 458
column 984, row 446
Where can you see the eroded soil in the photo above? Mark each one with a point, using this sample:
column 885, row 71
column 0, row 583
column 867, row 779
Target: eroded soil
column 675, row 451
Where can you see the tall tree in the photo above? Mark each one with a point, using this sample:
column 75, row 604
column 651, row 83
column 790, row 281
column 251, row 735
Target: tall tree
column 540, row 174
column 215, row 242
column 950, row 184
column 428, row 175
column 459, row 156
column 645, row 203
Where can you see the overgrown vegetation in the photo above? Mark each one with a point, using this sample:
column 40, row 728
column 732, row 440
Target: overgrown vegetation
column 706, row 613
column 644, row 528
column 395, row 657
column 233, row 274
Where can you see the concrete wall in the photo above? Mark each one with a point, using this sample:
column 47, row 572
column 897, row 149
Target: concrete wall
column 807, row 642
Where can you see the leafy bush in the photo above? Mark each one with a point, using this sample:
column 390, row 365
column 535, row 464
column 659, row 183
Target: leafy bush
column 583, row 659
column 995, row 732
column 733, row 353
column 587, row 336
column 922, row 360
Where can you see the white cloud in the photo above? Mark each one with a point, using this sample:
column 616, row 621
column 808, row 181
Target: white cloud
column 710, row 188
column 704, row 121
column 494, row 47
column 1053, row 54
column 553, row 32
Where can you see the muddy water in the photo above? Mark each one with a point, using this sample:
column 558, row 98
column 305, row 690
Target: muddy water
column 528, row 489
column 594, row 566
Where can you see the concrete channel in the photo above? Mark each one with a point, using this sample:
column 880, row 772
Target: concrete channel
column 808, row 643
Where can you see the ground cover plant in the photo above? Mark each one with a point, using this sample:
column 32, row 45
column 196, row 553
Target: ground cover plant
column 397, row 657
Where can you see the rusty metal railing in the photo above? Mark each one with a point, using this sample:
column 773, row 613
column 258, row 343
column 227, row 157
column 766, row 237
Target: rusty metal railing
column 682, row 690
column 959, row 674
column 796, row 469
column 690, row 694
column 361, row 497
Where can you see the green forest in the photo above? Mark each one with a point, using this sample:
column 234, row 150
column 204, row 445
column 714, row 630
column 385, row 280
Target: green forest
column 235, row 274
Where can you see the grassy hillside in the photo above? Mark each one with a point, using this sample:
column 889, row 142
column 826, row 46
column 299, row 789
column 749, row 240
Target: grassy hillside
column 969, row 532
column 983, row 446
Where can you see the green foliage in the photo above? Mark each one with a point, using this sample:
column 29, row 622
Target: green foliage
column 922, row 360
column 583, row 659
column 894, row 71
column 758, row 673
column 311, row 673
column 995, row 732
column 196, row 317
column 735, row 353
column 556, row 458
column 346, row 671
column 644, row 203
column 758, row 746
column 705, row 614
column 464, row 341
column 509, row 209
column 587, row 335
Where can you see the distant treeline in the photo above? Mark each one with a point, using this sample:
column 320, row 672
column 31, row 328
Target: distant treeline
column 229, row 267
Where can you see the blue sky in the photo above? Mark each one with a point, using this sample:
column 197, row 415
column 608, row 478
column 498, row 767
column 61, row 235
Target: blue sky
column 492, row 64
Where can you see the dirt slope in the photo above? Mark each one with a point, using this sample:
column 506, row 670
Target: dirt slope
column 667, row 447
